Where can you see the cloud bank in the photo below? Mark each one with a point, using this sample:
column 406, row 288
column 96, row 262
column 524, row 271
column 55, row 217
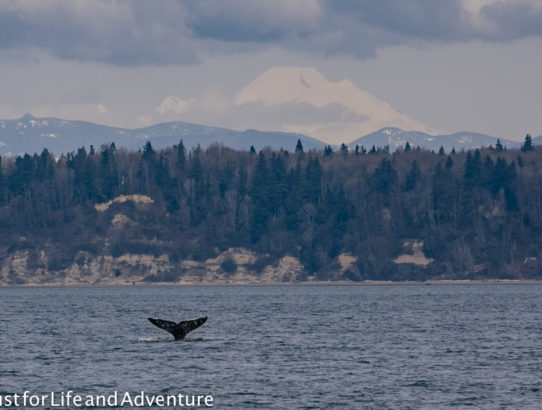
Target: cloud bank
column 139, row 32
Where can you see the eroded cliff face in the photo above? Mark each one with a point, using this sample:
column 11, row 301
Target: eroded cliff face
column 29, row 266
column 233, row 266
column 26, row 267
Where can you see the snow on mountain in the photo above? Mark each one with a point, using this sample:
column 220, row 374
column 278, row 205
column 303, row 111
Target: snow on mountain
column 360, row 112
column 396, row 139
column 31, row 135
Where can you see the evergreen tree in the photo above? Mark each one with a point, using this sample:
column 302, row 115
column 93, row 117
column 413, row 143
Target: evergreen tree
column 499, row 177
column 260, row 199
column 108, row 172
column 413, row 176
column 408, row 148
column 487, row 172
column 299, row 146
column 181, row 156
column 196, row 173
column 498, row 146
column 2, row 183
column 242, row 184
column 22, row 175
column 384, row 176
column 45, row 165
column 277, row 188
column 198, row 208
column 294, row 201
column 84, row 176
column 443, row 194
column 313, row 181
column 473, row 169
column 528, row 144
column 149, row 155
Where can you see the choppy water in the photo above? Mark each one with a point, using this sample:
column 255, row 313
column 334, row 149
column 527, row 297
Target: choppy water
column 282, row 347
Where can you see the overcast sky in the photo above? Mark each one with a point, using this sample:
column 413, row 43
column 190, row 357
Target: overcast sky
column 452, row 65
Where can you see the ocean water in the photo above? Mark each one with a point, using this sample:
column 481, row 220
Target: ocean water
column 281, row 347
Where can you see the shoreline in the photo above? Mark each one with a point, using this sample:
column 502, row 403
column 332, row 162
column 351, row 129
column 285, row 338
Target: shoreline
column 440, row 282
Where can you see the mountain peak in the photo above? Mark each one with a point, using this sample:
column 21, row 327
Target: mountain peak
column 341, row 111
column 27, row 117
column 280, row 85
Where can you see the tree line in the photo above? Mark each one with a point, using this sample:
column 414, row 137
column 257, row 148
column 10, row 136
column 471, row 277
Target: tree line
column 478, row 213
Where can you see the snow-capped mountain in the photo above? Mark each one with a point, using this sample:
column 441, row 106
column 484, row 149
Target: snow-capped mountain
column 397, row 138
column 333, row 112
column 29, row 135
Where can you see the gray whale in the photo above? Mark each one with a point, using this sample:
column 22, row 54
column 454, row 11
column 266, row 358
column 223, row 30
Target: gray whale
column 181, row 329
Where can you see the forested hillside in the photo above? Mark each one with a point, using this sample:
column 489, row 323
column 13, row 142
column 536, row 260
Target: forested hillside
column 462, row 215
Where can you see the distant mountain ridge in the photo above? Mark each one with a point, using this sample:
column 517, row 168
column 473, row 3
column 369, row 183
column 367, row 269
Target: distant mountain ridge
column 397, row 138
column 29, row 134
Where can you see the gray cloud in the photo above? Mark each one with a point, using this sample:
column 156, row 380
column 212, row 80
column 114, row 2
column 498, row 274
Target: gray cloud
column 262, row 21
column 425, row 19
column 140, row 32
column 120, row 33
column 513, row 20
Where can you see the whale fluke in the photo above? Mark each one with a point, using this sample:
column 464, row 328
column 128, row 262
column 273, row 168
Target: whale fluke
column 181, row 329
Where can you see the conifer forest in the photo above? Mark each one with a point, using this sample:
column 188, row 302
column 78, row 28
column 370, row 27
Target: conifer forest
column 475, row 214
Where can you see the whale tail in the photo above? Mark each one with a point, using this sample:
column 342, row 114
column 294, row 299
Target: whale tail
column 181, row 329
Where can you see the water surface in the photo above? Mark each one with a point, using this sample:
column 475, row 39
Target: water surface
column 269, row 347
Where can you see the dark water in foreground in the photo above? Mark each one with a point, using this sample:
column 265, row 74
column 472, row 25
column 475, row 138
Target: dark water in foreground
column 282, row 347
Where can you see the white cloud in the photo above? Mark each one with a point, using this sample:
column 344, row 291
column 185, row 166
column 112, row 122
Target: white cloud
column 73, row 111
column 476, row 18
column 174, row 105
column 474, row 6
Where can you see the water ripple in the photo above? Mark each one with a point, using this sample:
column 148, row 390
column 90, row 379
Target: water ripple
column 282, row 347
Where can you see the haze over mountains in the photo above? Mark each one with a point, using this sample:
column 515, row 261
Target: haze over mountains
column 298, row 101
column 29, row 134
